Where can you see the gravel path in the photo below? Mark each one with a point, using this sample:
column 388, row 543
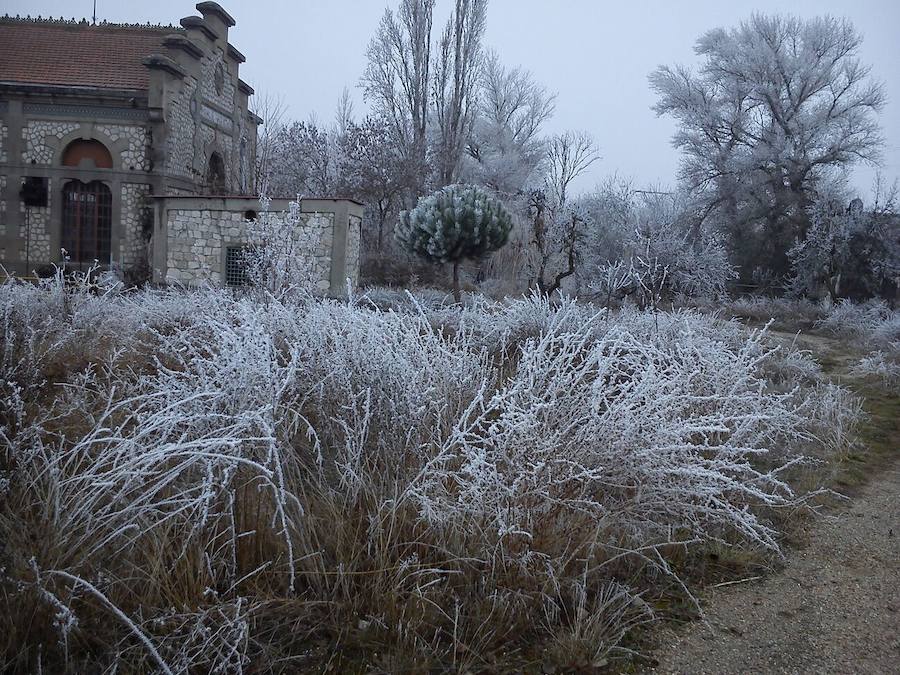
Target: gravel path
column 834, row 608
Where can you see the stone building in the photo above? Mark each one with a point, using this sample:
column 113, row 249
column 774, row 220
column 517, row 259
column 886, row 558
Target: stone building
column 105, row 127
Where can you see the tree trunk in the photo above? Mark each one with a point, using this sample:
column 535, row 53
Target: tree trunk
column 456, row 294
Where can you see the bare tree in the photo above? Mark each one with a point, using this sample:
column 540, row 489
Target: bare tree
column 568, row 156
column 457, row 71
column 343, row 114
column 371, row 171
column 556, row 227
column 397, row 82
column 302, row 161
column 270, row 108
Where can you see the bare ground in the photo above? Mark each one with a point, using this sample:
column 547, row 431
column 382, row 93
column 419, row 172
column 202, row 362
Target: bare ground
column 835, row 605
column 834, row 608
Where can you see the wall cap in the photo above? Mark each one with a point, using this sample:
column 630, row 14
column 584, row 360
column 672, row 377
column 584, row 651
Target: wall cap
column 215, row 8
column 197, row 23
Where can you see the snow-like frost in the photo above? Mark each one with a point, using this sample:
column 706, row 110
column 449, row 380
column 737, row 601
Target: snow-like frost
column 242, row 452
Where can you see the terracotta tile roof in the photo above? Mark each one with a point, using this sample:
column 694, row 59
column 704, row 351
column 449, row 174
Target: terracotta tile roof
column 78, row 54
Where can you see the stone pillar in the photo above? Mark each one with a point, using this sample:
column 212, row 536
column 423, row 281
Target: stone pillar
column 339, row 247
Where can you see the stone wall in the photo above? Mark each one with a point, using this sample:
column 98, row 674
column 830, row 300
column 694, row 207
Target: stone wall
column 35, row 150
column 198, row 238
column 4, row 134
column 2, row 206
column 134, row 155
column 245, row 158
column 135, row 214
column 128, row 141
column 180, row 134
column 354, row 242
column 201, row 120
column 34, row 234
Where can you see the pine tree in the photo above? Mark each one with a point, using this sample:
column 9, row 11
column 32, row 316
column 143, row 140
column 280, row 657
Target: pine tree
column 455, row 223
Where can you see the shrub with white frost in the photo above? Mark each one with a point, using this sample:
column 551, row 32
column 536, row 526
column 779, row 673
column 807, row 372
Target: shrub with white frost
column 194, row 481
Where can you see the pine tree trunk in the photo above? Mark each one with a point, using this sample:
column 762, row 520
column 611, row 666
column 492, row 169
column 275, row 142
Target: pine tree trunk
column 456, row 293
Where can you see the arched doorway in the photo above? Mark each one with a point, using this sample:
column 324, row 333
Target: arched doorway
column 87, row 221
column 215, row 174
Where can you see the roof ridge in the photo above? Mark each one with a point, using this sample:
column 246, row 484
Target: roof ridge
column 61, row 21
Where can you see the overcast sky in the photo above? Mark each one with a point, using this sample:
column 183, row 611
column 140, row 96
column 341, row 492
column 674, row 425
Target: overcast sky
column 595, row 55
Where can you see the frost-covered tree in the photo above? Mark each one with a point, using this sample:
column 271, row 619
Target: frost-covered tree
column 641, row 244
column 302, row 160
column 556, row 227
column 849, row 251
column 397, row 82
column 777, row 106
column 457, row 72
column 371, row 169
column 427, row 89
column 455, row 223
column 506, row 148
column 270, row 108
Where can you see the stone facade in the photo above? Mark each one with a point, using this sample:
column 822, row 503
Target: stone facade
column 169, row 111
column 354, row 242
column 35, row 234
column 136, row 225
column 37, row 134
column 198, row 240
column 135, row 140
column 199, row 230
column 140, row 142
column 2, row 207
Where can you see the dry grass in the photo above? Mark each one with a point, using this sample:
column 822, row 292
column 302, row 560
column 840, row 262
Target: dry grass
column 194, row 482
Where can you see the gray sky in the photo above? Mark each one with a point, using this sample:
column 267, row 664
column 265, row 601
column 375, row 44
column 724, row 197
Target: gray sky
column 595, row 55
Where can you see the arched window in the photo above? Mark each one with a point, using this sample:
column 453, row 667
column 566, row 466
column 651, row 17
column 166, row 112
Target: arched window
column 215, row 175
column 87, row 154
column 86, row 221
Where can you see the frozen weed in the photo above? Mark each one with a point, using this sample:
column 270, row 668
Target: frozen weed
column 195, row 481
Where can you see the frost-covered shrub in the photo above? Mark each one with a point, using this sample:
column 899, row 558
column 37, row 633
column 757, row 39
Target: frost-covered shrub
column 576, row 428
column 833, row 417
column 849, row 253
column 786, row 311
column 276, row 261
column 394, row 475
column 880, row 366
column 869, row 320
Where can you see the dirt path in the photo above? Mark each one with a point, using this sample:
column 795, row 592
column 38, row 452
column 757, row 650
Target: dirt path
column 834, row 608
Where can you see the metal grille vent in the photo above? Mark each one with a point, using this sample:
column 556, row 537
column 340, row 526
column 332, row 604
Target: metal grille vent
column 236, row 266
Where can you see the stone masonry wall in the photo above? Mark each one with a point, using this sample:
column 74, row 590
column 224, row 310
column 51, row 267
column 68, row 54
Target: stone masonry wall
column 34, row 150
column 134, row 157
column 197, row 239
column 2, row 208
column 35, row 234
column 198, row 122
column 354, row 236
column 180, row 124
column 4, row 134
column 135, row 212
